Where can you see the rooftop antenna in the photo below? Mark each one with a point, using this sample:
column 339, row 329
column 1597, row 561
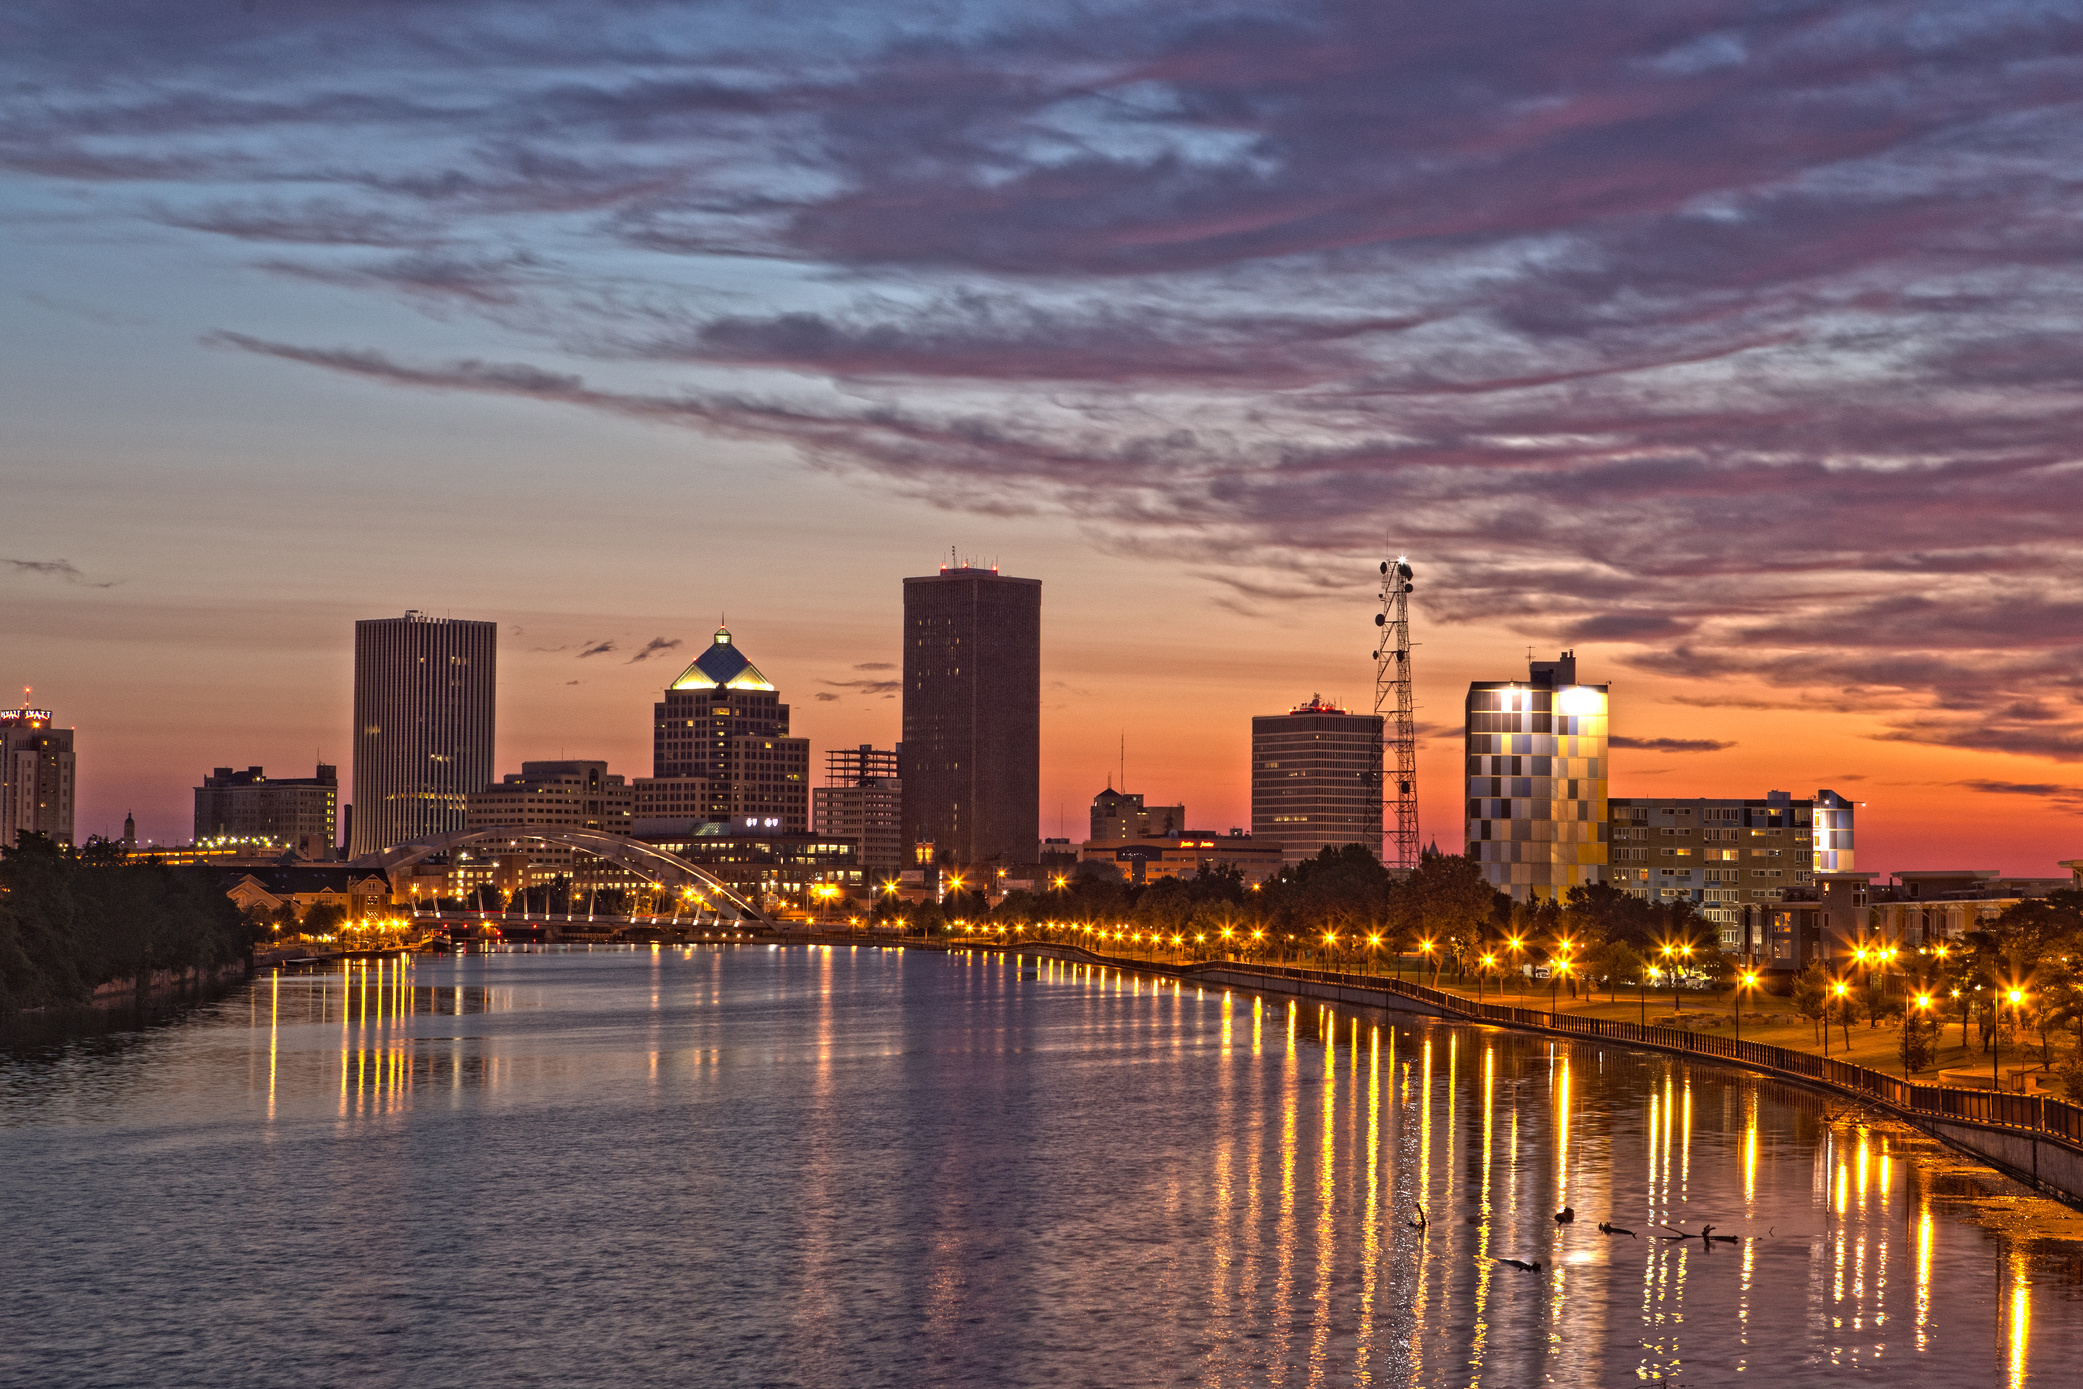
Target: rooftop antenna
column 1392, row 705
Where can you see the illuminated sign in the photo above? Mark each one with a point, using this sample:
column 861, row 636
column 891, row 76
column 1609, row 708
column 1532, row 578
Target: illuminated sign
column 25, row 716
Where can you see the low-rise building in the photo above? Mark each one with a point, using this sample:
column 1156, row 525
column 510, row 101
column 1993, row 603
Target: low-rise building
column 1731, row 858
column 251, row 807
column 1149, row 857
column 1842, row 913
column 769, row 869
column 549, row 796
column 1122, row 815
column 303, row 886
column 862, row 800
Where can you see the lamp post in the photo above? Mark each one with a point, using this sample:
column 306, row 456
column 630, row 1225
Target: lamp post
column 2014, row 997
column 1515, row 944
column 1744, row 981
column 1642, row 977
column 1488, row 960
column 1909, row 1022
column 1837, row 991
column 1425, row 946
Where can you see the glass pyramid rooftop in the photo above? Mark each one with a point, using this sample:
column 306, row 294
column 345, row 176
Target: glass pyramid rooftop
column 722, row 667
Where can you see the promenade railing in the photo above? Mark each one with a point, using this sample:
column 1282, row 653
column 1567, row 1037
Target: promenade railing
column 2037, row 1114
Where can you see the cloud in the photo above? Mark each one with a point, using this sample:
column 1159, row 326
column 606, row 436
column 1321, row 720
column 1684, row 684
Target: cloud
column 826, row 697
column 876, row 665
column 63, row 570
column 866, row 686
column 1668, row 744
column 2059, row 795
column 597, row 649
column 654, row 647
column 1734, row 344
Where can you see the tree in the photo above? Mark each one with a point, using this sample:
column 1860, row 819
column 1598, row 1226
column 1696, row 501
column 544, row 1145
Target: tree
column 1812, row 995
column 1444, row 900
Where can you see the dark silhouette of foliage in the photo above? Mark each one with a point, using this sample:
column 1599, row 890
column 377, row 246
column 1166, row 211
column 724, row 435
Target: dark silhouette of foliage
column 72, row 919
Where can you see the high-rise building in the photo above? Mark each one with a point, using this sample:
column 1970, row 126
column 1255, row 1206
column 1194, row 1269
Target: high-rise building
column 720, row 750
column 301, row 813
column 36, row 775
column 1316, row 779
column 972, row 715
column 863, row 800
column 1536, row 780
column 1122, row 815
column 564, row 795
column 423, row 708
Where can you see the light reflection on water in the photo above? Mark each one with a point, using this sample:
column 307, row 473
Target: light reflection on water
column 857, row 1166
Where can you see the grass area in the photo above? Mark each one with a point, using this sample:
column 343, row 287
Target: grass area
column 1774, row 1022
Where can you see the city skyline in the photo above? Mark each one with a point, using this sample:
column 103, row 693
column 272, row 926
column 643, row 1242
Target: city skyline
column 1217, row 786
column 1695, row 345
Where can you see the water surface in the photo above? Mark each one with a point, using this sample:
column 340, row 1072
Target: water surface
column 835, row 1167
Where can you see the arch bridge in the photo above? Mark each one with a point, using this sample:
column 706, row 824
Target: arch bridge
column 646, row 860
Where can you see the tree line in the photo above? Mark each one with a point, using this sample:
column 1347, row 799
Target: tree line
column 1344, row 908
column 72, row 919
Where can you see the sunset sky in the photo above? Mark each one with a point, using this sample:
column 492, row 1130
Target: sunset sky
column 1734, row 345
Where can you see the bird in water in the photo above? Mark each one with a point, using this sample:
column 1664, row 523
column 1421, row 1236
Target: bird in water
column 1566, row 1215
column 1417, row 1222
column 1606, row 1228
column 1533, row 1267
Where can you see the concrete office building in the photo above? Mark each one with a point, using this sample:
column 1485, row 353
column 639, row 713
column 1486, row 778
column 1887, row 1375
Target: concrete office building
column 1146, row 858
column 251, row 807
column 1316, row 779
column 563, row 795
column 1536, row 778
column 723, row 724
column 862, row 800
column 972, row 715
column 1122, row 815
column 36, row 777
column 424, row 692
column 1731, row 858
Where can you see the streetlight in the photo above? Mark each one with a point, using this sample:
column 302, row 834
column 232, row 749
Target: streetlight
column 1556, row 970
column 2015, row 997
column 1747, row 980
column 1488, row 960
column 1923, row 1003
column 1685, row 951
column 1516, row 944
column 1425, row 946
column 1837, row 990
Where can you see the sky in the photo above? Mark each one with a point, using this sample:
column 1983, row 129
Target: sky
column 1733, row 346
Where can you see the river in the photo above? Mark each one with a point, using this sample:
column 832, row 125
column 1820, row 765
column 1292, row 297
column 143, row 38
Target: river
column 764, row 1165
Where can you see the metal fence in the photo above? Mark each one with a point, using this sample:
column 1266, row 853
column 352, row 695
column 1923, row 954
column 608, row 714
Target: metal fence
column 2048, row 1117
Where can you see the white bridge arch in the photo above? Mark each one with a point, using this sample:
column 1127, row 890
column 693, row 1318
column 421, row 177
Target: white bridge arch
column 646, row 860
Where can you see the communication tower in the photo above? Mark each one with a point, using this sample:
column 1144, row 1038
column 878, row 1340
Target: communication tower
column 1399, row 729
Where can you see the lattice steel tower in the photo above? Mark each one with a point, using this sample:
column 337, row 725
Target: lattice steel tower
column 1399, row 729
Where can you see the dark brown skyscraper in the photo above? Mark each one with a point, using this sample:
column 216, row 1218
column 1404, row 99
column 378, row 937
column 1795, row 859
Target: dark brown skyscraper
column 972, row 715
